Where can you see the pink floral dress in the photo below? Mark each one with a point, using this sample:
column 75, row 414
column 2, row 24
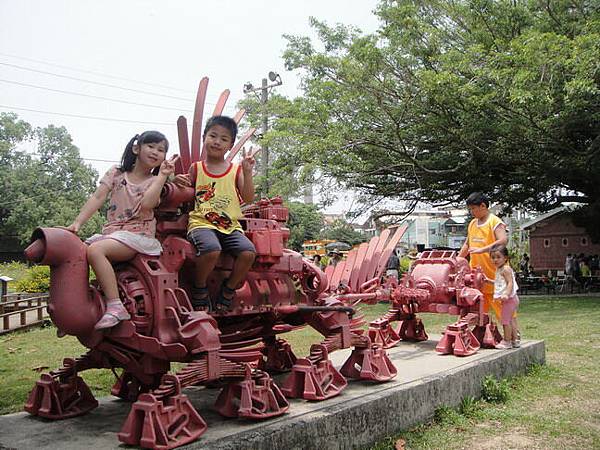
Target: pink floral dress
column 127, row 222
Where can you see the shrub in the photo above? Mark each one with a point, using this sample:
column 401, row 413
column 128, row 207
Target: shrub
column 446, row 415
column 37, row 279
column 470, row 407
column 494, row 391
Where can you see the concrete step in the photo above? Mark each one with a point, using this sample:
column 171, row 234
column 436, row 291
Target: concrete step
column 363, row 414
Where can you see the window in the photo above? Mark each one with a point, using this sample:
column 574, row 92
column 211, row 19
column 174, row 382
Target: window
column 565, row 242
column 546, row 243
column 584, row 241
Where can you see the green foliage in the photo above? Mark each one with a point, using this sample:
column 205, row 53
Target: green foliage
column 305, row 223
column 37, row 279
column 405, row 262
column 451, row 97
column 342, row 231
column 445, row 415
column 495, row 391
column 470, row 407
column 44, row 189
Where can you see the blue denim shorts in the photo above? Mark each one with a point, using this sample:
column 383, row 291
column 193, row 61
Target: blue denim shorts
column 207, row 240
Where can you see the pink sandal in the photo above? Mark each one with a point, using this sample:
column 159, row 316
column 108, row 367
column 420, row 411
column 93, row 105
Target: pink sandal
column 113, row 315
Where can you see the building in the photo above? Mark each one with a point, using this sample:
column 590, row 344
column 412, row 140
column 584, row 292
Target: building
column 435, row 229
column 552, row 236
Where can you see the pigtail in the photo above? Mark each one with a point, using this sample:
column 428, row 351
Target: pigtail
column 128, row 158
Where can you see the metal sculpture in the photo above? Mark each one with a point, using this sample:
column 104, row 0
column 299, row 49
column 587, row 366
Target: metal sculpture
column 238, row 348
column 439, row 281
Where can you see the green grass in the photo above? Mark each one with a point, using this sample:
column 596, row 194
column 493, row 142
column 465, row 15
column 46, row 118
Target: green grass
column 554, row 406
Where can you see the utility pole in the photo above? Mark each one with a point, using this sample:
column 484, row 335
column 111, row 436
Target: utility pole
column 263, row 98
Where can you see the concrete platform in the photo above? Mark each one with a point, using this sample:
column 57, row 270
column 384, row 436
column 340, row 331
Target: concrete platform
column 363, row 414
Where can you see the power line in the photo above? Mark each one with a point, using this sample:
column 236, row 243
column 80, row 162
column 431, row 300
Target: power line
column 92, row 96
column 99, row 83
column 79, row 116
column 93, row 72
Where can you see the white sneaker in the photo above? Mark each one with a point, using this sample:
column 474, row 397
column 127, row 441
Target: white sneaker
column 504, row 345
column 516, row 344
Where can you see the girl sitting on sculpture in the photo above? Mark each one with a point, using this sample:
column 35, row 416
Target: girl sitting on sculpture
column 134, row 189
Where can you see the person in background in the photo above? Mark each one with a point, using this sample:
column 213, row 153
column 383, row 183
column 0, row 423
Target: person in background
column 393, row 264
column 524, row 265
column 335, row 258
column 569, row 265
column 317, row 261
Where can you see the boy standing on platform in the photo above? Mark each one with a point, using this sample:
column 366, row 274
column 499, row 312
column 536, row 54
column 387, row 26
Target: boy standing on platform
column 485, row 232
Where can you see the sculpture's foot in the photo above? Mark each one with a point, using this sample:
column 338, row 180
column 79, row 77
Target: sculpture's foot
column 488, row 335
column 279, row 357
column 252, row 398
column 162, row 424
column 128, row 387
column 314, row 381
column 413, row 330
column 457, row 339
column 382, row 333
column 60, row 397
column 371, row 363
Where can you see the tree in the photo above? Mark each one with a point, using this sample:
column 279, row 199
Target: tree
column 342, row 231
column 46, row 190
column 305, row 223
column 451, row 97
column 289, row 173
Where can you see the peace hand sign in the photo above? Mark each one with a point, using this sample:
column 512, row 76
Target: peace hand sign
column 167, row 167
column 248, row 161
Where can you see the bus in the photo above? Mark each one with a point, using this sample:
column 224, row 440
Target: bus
column 315, row 247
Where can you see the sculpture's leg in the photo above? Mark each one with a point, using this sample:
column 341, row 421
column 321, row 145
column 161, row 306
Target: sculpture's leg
column 62, row 394
column 279, row 356
column 129, row 387
column 314, row 377
column 382, row 333
column 457, row 339
column 162, row 421
column 412, row 329
column 368, row 362
column 487, row 333
column 255, row 397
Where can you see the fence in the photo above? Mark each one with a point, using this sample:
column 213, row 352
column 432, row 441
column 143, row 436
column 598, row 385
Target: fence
column 22, row 310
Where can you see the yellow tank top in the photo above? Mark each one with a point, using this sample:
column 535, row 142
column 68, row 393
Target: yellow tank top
column 217, row 203
column 480, row 236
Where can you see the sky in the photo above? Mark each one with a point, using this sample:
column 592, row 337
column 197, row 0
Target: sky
column 116, row 48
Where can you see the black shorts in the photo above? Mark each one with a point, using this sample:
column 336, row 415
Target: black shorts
column 207, row 240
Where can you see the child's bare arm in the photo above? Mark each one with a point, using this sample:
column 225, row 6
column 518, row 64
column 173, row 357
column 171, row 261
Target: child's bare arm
column 464, row 250
column 92, row 205
column 505, row 272
column 151, row 197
